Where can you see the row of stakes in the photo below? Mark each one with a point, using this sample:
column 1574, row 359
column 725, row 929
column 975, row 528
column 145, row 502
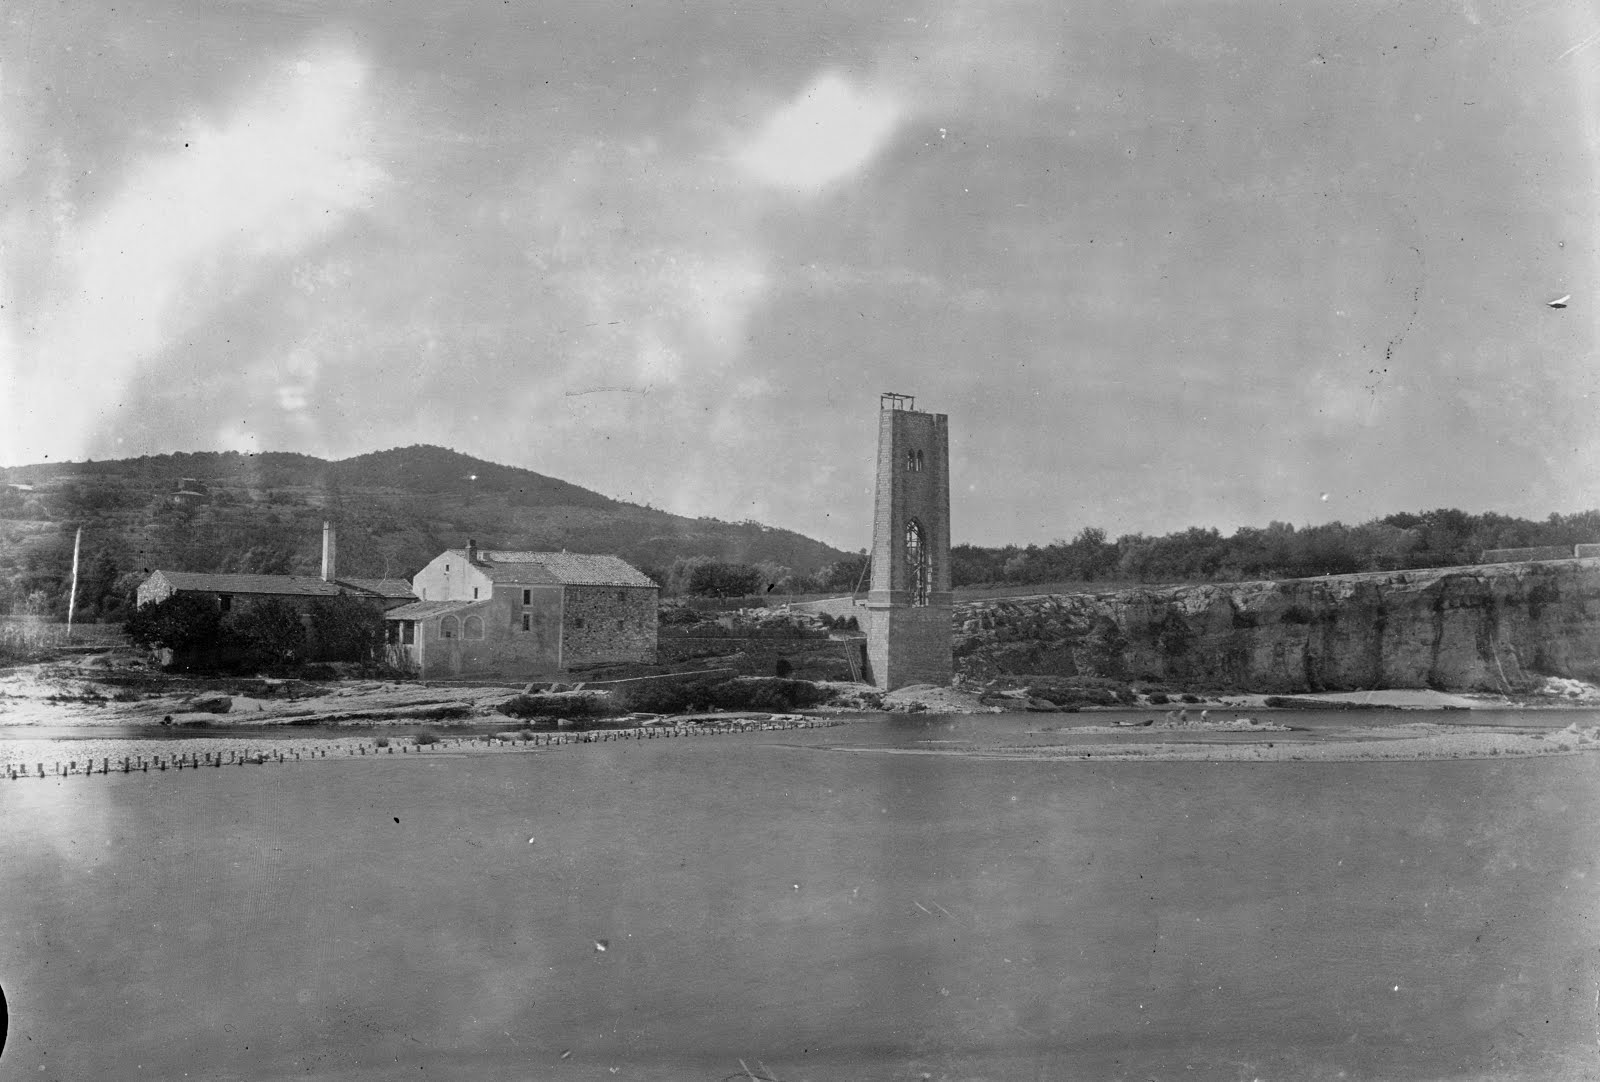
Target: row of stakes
column 141, row 765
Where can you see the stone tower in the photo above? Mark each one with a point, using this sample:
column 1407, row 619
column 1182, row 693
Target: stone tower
column 908, row 607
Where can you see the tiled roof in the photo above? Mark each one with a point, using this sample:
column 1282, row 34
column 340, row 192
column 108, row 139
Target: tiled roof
column 382, row 587
column 421, row 610
column 297, row 585
column 568, row 568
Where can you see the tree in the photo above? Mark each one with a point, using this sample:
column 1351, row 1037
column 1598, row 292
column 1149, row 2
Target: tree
column 181, row 623
column 346, row 629
column 718, row 579
column 270, row 631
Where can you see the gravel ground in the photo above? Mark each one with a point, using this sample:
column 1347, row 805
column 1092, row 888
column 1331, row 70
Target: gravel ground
column 26, row 757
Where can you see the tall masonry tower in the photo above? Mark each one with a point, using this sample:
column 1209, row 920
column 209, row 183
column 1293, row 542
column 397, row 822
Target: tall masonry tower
column 908, row 607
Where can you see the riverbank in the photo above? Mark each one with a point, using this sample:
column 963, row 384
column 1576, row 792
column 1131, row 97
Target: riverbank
column 22, row 759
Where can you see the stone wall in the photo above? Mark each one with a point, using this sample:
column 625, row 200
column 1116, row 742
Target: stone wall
column 608, row 624
column 1493, row 628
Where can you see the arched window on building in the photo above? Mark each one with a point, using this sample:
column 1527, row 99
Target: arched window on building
column 449, row 627
column 472, row 627
column 919, row 568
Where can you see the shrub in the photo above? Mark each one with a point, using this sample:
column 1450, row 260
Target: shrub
column 426, row 736
column 1159, row 698
column 767, row 693
column 182, row 622
column 559, row 704
column 271, row 631
column 1190, row 698
column 381, row 742
column 346, row 629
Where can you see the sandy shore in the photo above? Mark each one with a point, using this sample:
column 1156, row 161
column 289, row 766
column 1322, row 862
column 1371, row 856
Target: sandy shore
column 1420, row 741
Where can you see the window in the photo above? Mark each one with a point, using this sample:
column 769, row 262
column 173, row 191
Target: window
column 474, row 593
column 527, row 622
column 408, row 632
column 449, row 627
column 527, row 599
column 578, row 622
column 919, row 572
column 622, row 595
column 914, row 461
column 472, row 627
column 919, row 461
column 224, row 602
column 447, row 567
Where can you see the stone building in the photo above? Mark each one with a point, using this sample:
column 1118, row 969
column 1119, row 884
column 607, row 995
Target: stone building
column 233, row 593
column 908, row 606
column 483, row 612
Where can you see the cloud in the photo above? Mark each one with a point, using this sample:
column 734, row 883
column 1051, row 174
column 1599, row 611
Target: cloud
column 191, row 227
column 828, row 132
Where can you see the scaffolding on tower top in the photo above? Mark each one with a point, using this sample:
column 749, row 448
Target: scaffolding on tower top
column 888, row 400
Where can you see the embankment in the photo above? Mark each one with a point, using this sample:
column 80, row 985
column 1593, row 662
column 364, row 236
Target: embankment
column 1501, row 628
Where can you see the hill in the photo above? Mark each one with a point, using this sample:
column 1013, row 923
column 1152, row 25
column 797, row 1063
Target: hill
column 263, row 514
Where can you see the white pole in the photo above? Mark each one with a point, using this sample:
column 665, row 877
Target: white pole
column 72, row 599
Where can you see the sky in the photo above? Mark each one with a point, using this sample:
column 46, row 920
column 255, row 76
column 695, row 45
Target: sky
column 1163, row 265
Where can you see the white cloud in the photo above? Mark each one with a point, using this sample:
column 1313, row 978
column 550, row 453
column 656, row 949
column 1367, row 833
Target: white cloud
column 191, row 226
column 827, row 133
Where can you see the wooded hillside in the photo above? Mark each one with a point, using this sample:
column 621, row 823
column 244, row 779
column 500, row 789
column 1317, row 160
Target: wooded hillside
column 394, row 510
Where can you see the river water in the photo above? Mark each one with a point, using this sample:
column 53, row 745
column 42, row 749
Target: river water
column 809, row 905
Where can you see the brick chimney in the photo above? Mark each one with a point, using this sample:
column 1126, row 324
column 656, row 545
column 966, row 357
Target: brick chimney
column 330, row 552
column 472, row 551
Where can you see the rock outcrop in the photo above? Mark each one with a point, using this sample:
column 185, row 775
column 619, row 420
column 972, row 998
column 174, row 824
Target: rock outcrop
column 1500, row 628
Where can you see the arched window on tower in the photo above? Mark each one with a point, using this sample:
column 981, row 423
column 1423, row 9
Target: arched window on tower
column 919, row 568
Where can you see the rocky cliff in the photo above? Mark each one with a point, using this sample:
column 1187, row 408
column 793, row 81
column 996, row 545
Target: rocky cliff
column 1496, row 628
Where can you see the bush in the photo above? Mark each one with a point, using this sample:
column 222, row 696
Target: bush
column 381, row 742
column 346, row 629
column 767, row 693
column 559, row 704
column 426, row 736
column 1159, row 698
column 271, row 632
column 180, row 623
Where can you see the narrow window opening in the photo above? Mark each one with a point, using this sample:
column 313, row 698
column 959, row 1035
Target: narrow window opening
column 919, row 572
column 224, row 602
column 527, row 597
column 408, row 632
column 527, row 622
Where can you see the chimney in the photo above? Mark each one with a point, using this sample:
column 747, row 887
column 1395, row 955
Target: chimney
column 330, row 551
column 472, row 551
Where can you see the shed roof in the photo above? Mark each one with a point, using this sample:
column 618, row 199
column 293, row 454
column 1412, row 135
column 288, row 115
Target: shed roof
column 381, row 587
column 421, row 610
